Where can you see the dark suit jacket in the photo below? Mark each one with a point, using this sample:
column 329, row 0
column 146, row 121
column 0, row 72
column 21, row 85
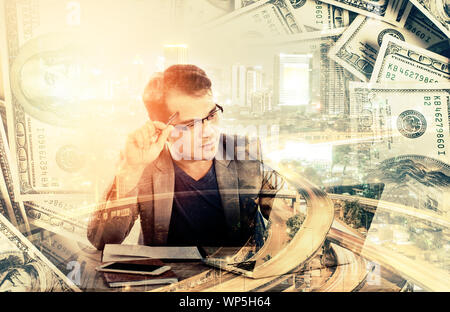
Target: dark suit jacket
column 245, row 185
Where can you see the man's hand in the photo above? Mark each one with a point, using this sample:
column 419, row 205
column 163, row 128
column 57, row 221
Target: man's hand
column 145, row 144
column 142, row 148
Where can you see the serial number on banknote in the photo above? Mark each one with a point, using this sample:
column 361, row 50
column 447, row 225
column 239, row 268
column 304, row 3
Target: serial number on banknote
column 394, row 69
column 319, row 12
column 417, row 32
column 440, row 142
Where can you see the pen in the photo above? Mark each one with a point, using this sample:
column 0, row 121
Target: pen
column 169, row 122
column 172, row 118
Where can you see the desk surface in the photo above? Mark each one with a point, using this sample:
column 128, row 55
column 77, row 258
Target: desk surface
column 93, row 281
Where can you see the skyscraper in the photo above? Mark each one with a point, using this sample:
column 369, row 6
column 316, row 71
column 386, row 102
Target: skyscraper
column 253, row 83
column 261, row 101
column 292, row 79
column 333, row 79
column 238, row 85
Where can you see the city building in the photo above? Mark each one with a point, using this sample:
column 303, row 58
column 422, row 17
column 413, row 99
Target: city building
column 333, row 86
column 261, row 101
column 254, row 82
column 238, row 85
column 245, row 82
column 292, row 79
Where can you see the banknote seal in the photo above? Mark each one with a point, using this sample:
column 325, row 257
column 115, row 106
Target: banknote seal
column 391, row 32
column 411, row 124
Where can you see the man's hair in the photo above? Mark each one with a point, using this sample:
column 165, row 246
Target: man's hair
column 188, row 79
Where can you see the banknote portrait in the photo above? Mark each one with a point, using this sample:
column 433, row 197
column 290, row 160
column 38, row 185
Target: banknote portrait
column 47, row 77
column 23, row 268
column 18, row 272
column 415, row 181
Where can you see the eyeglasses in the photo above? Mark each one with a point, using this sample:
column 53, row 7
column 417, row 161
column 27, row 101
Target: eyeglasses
column 212, row 116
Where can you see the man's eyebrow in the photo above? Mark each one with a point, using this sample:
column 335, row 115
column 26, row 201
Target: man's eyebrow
column 191, row 120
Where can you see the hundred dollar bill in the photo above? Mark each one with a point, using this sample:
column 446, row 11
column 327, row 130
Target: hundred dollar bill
column 357, row 48
column 65, row 218
column 442, row 48
column 404, row 119
column 2, row 91
column 74, row 259
column 391, row 11
column 6, row 208
column 409, row 155
column 418, row 185
column 401, row 61
column 52, row 101
column 24, row 267
column 280, row 19
column 3, row 116
column 15, row 209
column 69, row 218
column 319, row 16
column 238, row 4
column 398, row 12
column 438, row 11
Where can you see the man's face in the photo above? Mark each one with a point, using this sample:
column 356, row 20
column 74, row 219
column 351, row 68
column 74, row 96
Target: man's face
column 200, row 141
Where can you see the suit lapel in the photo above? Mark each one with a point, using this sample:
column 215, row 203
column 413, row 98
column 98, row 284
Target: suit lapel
column 228, row 183
column 163, row 190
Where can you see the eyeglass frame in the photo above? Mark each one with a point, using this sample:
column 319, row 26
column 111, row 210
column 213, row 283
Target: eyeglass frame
column 191, row 124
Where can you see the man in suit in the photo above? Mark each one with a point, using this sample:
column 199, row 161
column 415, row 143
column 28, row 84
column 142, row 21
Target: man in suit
column 190, row 184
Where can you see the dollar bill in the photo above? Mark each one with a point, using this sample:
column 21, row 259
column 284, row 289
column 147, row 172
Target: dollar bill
column 398, row 12
column 404, row 119
column 438, row 11
column 421, row 185
column 24, row 268
column 401, row 61
column 14, row 208
column 319, row 16
column 74, row 259
column 442, row 48
column 391, row 11
column 2, row 91
column 6, row 208
column 357, row 48
column 280, row 20
column 238, row 4
column 60, row 217
column 3, row 116
column 52, row 101
column 67, row 218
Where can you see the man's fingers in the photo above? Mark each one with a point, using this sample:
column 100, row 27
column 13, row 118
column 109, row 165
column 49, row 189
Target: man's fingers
column 151, row 132
column 159, row 125
column 146, row 136
column 149, row 125
column 163, row 136
column 139, row 139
